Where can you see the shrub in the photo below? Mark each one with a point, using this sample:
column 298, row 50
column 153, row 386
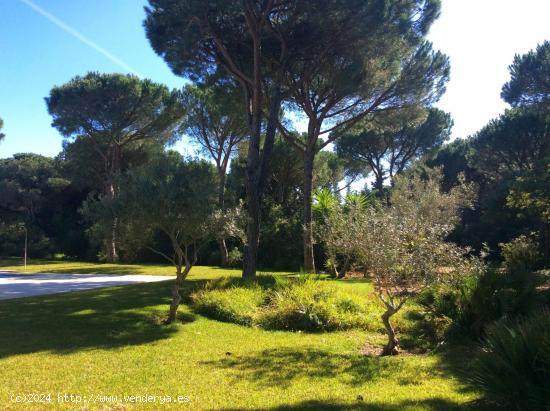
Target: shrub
column 234, row 300
column 467, row 306
column 312, row 305
column 513, row 365
column 521, row 254
column 304, row 304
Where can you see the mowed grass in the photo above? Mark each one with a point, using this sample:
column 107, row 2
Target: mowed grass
column 111, row 342
column 77, row 267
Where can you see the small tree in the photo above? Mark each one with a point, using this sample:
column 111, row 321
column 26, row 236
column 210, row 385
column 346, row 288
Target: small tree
column 402, row 246
column 175, row 197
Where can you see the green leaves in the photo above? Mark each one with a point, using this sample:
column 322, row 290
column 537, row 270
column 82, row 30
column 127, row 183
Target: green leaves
column 115, row 107
column 530, row 78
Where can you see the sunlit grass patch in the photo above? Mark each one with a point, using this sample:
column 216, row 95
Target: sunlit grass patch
column 110, row 341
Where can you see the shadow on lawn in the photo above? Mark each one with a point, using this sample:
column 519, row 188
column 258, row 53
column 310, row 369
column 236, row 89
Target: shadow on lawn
column 104, row 318
column 281, row 366
column 432, row 404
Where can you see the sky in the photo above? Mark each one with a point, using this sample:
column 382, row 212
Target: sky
column 47, row 42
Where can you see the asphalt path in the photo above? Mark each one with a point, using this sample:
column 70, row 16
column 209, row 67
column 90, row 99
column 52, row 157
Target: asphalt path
column 14, row 285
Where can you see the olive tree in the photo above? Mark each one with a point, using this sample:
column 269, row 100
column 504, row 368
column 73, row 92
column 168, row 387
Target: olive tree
column 402, row 246
column 174, row 197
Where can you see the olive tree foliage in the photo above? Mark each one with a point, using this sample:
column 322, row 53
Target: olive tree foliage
column 530, row 78
column 116, row 113
column 366, row 58
column 175, row 197
column 216, row 123
column 387, row 146
column 402, row 246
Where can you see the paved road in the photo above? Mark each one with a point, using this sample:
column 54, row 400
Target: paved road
column 25, row 285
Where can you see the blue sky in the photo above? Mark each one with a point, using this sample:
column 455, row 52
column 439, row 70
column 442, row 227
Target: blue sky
column 46, row 42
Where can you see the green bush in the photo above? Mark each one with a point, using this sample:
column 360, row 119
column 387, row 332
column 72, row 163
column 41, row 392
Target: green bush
column 236, row 304
column 521, row 254
column 469, row 305
column 303, row 304
column 312, row 305
column 513, row 366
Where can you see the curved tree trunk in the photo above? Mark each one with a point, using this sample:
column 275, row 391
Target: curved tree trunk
column 307, row 218
column 176, row 297
column 224, row 253
column 391, row 347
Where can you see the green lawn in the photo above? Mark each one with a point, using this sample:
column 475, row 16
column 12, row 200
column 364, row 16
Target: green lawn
column 110, row 342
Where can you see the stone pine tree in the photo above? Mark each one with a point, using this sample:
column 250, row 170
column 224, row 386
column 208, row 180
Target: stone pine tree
column 385, row 149
column 367, row 57
column 257, row 42
column 115, row 112
column 249, row 41
column 530, row 78
column 216, row 123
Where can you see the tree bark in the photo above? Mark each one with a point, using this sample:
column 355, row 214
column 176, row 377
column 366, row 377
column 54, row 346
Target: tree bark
column 379, row 185
column 112, row 254
column 224, row 253
column 307, row 218
column 112, row 243
column 176, row 297
column 257, row 169
column 250, row 252
column 391, row 347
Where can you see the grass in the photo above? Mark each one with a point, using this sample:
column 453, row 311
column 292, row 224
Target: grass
column 308, row 303
column 110, row 342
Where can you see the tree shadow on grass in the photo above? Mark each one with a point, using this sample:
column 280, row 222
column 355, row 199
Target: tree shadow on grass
column 102, row 318
column 431, row 404
column 281, row 366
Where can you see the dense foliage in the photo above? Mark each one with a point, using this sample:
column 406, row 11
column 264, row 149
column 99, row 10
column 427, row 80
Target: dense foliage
column 296, row 304
column 512, row 366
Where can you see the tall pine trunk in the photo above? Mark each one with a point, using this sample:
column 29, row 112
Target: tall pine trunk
column 112, row 242
column 257, row 169
column 224, row 253
column 307, row 217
